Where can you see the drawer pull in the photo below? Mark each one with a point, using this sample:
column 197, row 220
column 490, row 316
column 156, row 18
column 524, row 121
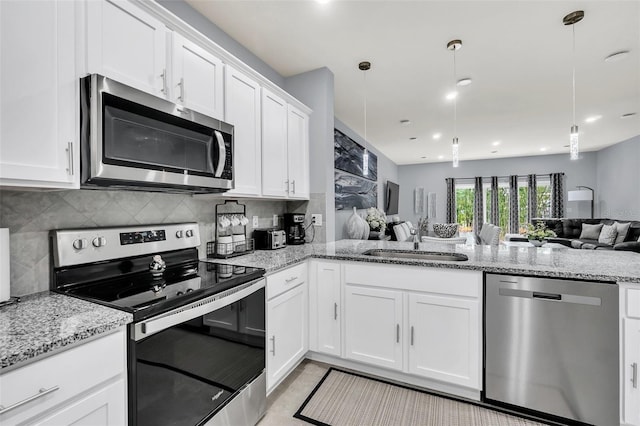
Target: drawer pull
column 288, row 280
column 335, row 311
column 411, row 335
column 42, row 392
column 634, row 375
column 273, row 339
column 397, row 333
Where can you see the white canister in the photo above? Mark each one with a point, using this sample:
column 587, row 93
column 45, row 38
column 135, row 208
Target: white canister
column 4, row 265
column 224, row 245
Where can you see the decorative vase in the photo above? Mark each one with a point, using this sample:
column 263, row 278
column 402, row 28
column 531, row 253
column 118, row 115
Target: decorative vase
column 536, row 243
column 365, row 229
column 356, row 226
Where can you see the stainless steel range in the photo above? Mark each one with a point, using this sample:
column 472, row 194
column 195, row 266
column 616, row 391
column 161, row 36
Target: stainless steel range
column 196, row 347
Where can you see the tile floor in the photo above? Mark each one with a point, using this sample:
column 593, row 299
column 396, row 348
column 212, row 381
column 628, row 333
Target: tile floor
column 285, row 400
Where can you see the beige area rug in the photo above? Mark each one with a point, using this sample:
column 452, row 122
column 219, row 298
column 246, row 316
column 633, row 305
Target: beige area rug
column 347, row 399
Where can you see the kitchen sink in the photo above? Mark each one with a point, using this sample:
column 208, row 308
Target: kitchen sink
column 419, row 255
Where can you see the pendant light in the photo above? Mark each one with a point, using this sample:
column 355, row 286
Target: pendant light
column 454, row 45
column 574, row 147
column 365, row 66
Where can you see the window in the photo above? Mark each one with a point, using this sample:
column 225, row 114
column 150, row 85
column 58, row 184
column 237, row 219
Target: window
column 464, row 207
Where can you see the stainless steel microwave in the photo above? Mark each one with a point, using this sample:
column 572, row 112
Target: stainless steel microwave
column 134, row 140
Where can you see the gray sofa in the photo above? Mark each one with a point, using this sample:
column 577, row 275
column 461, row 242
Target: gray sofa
column 568, row 233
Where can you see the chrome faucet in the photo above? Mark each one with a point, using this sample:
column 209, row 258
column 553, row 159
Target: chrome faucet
column 416, row 238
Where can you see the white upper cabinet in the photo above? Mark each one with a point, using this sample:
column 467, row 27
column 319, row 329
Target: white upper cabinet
column 242, row 110
column 274, row 145
column 298, row 152
column 197, row 78
column 127, row 44
column 38, row 89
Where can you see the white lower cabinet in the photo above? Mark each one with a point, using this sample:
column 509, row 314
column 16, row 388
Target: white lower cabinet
column 373, row 319
column 444, row 343
column 287, row 319
column 325, row 307
column 630, row 354
column 84, row 385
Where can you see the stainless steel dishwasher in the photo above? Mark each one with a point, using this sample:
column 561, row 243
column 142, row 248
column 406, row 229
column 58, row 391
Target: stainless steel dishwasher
column 552, row 346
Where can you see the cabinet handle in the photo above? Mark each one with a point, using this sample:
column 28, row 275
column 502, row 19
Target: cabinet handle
column 42, row 392
column 335, row 311
column 288, row 280
column 634, row 375
column 397, row 333
column 411, row 335
column 286, row 184
column 181, row 84
column 70, row 157
column 273, row 339
column 164, row 81
column 294, row 186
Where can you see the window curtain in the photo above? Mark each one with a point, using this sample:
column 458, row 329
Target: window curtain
column 557, row 195
column 514, row 223
column 495, row 212
column 451, row 200
column 478, row 206
column 532, row 201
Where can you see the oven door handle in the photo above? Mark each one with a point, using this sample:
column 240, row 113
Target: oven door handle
column 196, row 309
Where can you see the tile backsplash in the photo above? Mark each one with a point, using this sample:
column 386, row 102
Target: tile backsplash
column 30, row 215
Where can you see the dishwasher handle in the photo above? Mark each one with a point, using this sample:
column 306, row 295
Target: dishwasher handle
column 549, row 296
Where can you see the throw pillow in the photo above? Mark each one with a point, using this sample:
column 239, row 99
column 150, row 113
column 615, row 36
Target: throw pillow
column 591, row 232
column 608, row 235
column 623, row 229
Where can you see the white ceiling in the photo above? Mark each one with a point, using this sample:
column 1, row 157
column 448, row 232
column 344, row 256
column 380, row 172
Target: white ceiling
column 518, row 53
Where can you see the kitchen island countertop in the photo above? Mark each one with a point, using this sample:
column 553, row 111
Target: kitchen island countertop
column 596, row 265
column 43, row 323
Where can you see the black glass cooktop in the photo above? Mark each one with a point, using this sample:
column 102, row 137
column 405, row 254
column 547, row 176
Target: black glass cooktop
column 137, row 290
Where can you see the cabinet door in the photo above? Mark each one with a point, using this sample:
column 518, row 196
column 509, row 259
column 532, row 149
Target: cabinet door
column 286, row 333
column 444, row 341
column 298, row 153
column 630, row 373
column 242, row 109
column 326, row 314
column 105, row 407
column 274, row 145
column 38, row 86
column 197, row 78
column 373, row 319
column 127, row 44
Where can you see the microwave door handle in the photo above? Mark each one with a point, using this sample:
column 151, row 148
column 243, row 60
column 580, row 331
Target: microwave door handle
column 222, row 154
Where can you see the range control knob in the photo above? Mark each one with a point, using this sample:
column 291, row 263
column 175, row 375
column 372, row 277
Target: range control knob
column 99, row 241
column 189, row 233
column 80, row 243
column 178, row 234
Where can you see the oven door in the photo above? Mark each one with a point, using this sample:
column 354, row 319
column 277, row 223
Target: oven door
column 133, row 138
column 202, row 363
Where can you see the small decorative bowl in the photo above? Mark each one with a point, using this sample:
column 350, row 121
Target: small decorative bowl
column 445, row 230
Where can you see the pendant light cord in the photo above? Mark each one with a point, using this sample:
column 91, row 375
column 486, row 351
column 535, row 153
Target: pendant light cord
column 455, row 98
column 573, row 27
column 365, row 109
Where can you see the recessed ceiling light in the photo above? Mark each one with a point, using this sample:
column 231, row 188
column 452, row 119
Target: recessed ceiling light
column 451, row 96
column 323, row 1
column 437, row 136
column 440, row 157
column 617, row 56
column 495, row 143
column 405, row 122
column 464, row 82
column 413, row 138
column 592, row 118
column 543, row 149
column 628, row 115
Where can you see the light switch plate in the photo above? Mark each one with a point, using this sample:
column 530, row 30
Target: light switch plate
column 316, row 219
column 255, row 222
column 275, row 220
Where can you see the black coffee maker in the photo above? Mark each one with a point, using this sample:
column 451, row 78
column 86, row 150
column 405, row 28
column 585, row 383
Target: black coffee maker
column 294, row 228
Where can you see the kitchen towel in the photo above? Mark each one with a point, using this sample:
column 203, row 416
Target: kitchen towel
column 4, row 264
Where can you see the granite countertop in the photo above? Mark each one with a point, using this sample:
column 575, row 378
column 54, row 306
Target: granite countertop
column 600, row 265
column 45, row 322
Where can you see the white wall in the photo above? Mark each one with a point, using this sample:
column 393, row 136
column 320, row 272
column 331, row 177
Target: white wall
column 618, row 180
column 387, row 170
column 432, row 178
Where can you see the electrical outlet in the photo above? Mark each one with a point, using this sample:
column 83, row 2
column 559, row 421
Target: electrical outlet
column 316, row 219
column 255, row 222
column 275, row 220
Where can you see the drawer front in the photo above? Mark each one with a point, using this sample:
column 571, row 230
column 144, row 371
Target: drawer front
column 287, row 279
column 633, row 303
column 61, row 376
